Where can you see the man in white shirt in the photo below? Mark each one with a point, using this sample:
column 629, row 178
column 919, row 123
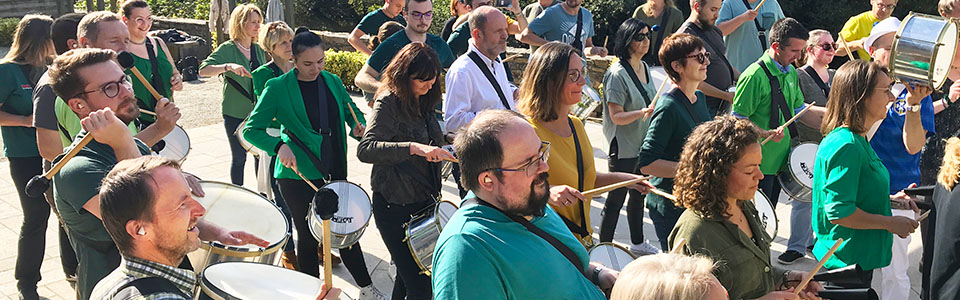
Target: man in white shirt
column 469, row 88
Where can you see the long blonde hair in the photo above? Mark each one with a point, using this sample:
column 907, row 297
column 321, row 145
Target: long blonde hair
column 32, row 44
column 950, row 170
column 665, row 276
column 238, row 17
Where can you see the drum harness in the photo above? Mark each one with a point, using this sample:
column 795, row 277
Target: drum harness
column 761, row 34
column 778, row 102
column 493, row 81
column 580, row 229
column 147, row 286
column 636, row 80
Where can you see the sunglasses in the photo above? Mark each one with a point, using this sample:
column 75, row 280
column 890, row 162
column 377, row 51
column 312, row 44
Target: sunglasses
column 639, row 37
column 828, row 46
column 702, row 57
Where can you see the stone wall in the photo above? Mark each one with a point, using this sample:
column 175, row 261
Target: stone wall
column 18, row 8
column 192, row 27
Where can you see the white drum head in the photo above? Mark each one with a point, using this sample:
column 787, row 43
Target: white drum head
column 237, row 208
column 354, row 208
column 177, row 144
column 802, row 158
column 611, row 256
column 768, row 217
column 445, row 210
column 246, row 280
column 946, row 49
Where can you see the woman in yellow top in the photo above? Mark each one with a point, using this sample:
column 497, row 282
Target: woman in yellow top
column 552, row 83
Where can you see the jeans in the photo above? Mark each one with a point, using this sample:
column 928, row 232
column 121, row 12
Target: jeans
column 298, row 196
column 237, row 153
column 770, row 186
column 36, row 211
column 410, row 282
column 611, row 207
column 801, row 232
column 663, row 224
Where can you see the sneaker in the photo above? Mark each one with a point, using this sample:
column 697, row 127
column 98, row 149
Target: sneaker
column 371, row 293
column 789, row 257
column 644, row 249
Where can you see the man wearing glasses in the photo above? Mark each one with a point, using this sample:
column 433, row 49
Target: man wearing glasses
column 856, row 30
column 498, row 244
column 419, row 15
column 721, row 76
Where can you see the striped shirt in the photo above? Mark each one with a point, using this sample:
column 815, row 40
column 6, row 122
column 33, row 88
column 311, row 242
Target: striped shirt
column 132, row 268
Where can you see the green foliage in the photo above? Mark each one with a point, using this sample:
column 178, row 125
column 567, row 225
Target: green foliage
column 441, row 12
column 608, row 15
column 7, row 27
column 814, row 15
column 346, row 65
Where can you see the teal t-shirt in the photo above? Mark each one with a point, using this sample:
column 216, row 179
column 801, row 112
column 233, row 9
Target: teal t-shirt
column 743, row 46
column 16, row 97
column 555, row 24
column 847, row 175
column 370, row 24
column 482, row 254
column 388, row 48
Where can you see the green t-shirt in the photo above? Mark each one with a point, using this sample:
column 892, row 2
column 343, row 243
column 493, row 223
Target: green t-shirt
column 389, row 48
column 146, row 69
column 16, row 97
column 672, row 24
column 370, row 24
column 235, row 104
column 847, row 175
column 618, row 88
column 752, row 100
column 69, row 121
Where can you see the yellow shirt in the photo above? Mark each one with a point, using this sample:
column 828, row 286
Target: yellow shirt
column 563, row 170
column 859, row 27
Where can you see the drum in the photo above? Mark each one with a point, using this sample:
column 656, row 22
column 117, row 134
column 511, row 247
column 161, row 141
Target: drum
column 423, row 231
column 768, row 216
column 611, row 255
column 589, row 102
column 923, row 50
column 274, row 132
column 657, row 76
column 245, row 280
column 348, row 223
column 798, row 181
column 236, row 208
column 175, row 146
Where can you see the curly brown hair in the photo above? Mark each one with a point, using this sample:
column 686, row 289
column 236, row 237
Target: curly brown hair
column 706, row 161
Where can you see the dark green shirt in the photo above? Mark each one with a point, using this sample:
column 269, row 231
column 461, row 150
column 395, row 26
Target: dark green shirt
column 669, row 127
column 743, row 263
column 16, row 94
column 165, row 69
column 370, row 24
column 459, row 39
column 389, row 48
column 235, row 104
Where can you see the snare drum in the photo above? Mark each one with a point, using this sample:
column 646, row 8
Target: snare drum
column 245, row 280
column 798, row 181
column 423, row 230
column 611, row 255
column 274, row 132
column 923, row 50
column 175, row 146
column 589, row 101
column 768, row 216
column 348, row 223
column 236, row 208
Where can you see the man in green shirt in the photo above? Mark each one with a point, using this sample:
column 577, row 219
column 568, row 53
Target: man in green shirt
column 770, row 87
column 370, row 24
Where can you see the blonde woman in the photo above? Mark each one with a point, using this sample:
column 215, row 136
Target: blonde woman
column 663, row 14
column 943, row 239
column 234, row 60
column 20, row 70
column 668, row 277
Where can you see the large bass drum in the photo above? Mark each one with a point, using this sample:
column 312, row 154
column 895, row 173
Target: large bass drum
column 923, row 50
column 354, row 210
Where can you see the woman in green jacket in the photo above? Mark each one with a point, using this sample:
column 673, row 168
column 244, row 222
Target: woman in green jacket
column 312, row 106
column 234, row 59
column 717, row 176
column 147, row 53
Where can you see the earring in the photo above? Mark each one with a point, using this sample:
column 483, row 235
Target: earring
column 141, row 231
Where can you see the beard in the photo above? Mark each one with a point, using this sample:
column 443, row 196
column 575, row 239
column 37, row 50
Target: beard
column 704, row 23
column 175, row 248
column 128, row 110
column 536, row 201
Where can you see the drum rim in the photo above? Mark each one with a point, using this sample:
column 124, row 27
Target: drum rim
column 806, row 189
column 238, row 134
column 413, row 253
column 207, row 286
column 365, row 193
column 891, row 65
column 436, row 209
column 776, row 221
column 312, row 219
column 611, row 244
column 189, row 144
column 222, row 249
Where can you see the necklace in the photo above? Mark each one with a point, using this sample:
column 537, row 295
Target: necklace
column 140, row 43
column 245, row 49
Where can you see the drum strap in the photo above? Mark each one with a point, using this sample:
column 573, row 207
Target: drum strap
column 303, row 147
column 155, row 80
column 816, row 79
column 761, row 34
column 723, row 56
column 662, row 31
column 493, row 81
column 577, row 44
column 236, row 85
column 680, row 96
column 778, row 102
column 563, row 249
column 636, row 80
column 581, row 228
column 147, row 286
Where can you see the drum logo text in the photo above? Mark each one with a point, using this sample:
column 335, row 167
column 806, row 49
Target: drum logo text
column 337, row 219
column 806, row 170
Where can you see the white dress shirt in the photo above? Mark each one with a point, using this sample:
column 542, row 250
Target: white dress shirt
column 469, row 92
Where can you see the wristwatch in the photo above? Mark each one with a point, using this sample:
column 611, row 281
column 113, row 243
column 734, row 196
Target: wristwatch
column 595, row 275
column 912, row 108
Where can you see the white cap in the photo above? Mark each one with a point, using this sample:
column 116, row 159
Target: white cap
column 888, row 25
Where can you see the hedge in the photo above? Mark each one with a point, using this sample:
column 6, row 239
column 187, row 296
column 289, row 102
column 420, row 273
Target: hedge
column 346, row 65
column 7, row 27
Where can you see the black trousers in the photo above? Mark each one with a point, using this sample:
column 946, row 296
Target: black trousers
column 298, row 195
column 410, row 283
column 238, row 155
column 611, row 208
column 36, row 211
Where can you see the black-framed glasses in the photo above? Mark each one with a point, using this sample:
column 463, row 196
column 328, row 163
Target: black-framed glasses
column 575, row 75
column 639, row 37
column 420, row 15
column 109, row 89
column 701, row 57
column 828, row 46
column 531, row 168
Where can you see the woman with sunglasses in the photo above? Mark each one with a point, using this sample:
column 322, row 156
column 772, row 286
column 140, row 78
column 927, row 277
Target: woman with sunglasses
column 552, row 83
column 628, row 90
column 403, row 144
column 676, row 113
column 150, row 57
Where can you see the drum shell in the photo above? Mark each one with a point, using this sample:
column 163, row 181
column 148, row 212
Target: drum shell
column 912, row 49
column 209, row 290
column 792, row 187
column 423, row 231
column 616, row 264
column 766, row 213
column 176, row 139
column 238, row 134
column 339, row 240
column 589, row 102
column 800, row 161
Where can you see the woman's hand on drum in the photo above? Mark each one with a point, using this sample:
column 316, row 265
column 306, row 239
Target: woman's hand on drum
column 358, row 130
column 916, row 93
column 431, row 153
column 332, row 294
column 810, row 291
column 194, row 183
column 565, row 195
column 903, row 197
column 286, row 157
column 607, row 276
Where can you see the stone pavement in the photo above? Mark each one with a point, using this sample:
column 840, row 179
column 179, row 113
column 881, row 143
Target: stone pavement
column 210, row 158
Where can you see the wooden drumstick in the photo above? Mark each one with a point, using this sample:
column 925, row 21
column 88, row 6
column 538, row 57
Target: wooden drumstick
column 844, row 43
column 144, row 111
column 653, row 103
column 356, row 122
column 679, row 246
column 605, row 40
column 759, row 5
column 126, row 61
column 664, row 194
column 603, row 189
column 923, row 216
column 809, row 106
column 810, row 275
column 327, row 263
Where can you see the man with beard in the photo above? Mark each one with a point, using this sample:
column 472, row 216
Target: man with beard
column 720, row 74
column 504, row 242
column 92, row 80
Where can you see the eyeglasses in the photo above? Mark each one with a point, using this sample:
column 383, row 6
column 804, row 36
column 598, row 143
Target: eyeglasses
column 531, row 168
column 420, row 15
column 702, row 57
column 828, row 46
column 639, row 37
column 576, row 75
column 109, row 89
column 886, row 6
column 142, row 20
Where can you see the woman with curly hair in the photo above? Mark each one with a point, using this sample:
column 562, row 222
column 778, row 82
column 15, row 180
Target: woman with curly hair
column 717, row 177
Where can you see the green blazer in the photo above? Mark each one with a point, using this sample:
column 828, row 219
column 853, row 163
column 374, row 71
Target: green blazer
column 281, row 99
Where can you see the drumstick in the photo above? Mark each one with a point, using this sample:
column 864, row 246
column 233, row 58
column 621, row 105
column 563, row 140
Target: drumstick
column 144, row 111
column 923, row 216
column 653, row 104
column 327, row 264
column 453, row 160
column 664, row 194
column 823, row 260
column 512, row 57
column 41, row 183
column 679, row 246
column 759, row 5
column 605, row 40
column 844, row 43
column 809, row 106
column 603, row 189
column 126, row 61
column 356, row 122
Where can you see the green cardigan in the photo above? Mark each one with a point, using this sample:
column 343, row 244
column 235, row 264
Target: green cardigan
column 281, row 99
column 234, row 103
